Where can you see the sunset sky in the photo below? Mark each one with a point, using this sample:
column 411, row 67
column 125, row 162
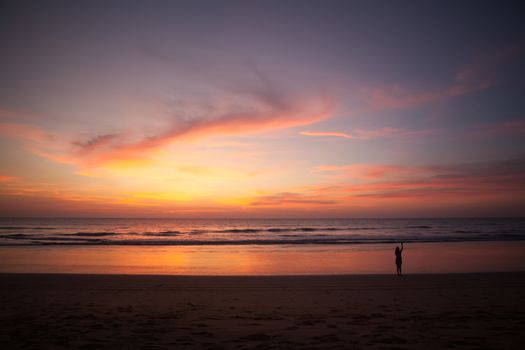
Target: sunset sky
column 262, row 108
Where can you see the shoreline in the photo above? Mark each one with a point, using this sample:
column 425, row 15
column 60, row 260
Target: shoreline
column 306, row 242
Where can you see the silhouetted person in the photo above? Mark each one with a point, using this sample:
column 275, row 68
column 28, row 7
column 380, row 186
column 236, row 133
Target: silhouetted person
column 399, row 259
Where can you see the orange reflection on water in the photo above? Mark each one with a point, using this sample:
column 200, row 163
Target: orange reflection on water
column 266, row 260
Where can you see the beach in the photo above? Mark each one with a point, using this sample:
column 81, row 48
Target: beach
column 265, row 284
column 75, row 311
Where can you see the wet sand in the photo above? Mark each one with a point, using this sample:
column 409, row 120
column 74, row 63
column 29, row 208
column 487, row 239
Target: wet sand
column 281, row 312
column 341, row 259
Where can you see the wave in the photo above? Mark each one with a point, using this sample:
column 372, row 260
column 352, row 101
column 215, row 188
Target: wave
column 225, row 231
column 25, row 228
column 162, row 233
column 304, row 241
column 198, row 232
column 37, row 240
column 246, row 230
column 17, row 236
column 94, row 234
column 281, row 229
column 465, row 231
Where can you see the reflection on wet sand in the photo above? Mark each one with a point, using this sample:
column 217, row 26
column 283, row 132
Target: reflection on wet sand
column 266, row 260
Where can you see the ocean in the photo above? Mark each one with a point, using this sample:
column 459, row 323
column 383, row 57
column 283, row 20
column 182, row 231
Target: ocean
column 98, row 231
column 259, row 247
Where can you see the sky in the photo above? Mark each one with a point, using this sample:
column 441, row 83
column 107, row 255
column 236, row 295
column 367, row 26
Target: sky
column 262, row 109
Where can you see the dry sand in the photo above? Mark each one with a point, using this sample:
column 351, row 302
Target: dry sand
column 309, row 312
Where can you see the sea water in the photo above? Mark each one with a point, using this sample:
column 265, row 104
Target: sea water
column 259, row 247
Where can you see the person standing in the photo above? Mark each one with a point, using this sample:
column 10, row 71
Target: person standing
column 399, row 259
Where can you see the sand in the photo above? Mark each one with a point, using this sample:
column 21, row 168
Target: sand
column 42, row 311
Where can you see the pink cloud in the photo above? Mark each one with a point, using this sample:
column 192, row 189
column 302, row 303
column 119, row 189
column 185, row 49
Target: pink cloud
column 374, row 171
column 362, row 134
column 250, row 110
column 8, row 114
column 397, row 97
column 486, row 65
column 261, row 109
column 326, row 134
column 504, row 128
column 388, row 132
column 23, row 131
column 462, row 182
column 480, row 74
column 397, row 189
column 101, row 149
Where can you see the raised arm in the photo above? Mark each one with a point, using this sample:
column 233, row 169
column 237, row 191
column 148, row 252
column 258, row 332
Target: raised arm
column 402, row 247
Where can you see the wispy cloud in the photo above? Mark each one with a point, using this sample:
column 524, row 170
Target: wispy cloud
column 327, row 134
column 486, row 66
column 7, row 178
column 11, row 115
column 399, row 97
column 363, row 134
column 504, row 179
column 24, row 132
column 263, row 107
column 290, row 198
column 379, row 189
column 256, row 109
column 503, row 128
column 388, row 132
column 373, row 171
column 480, row 74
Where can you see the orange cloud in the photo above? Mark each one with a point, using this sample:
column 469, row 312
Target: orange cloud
column 7, row 178
column 289, row 198
column 270, row 116
column 384, row 189
column 260, row 110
